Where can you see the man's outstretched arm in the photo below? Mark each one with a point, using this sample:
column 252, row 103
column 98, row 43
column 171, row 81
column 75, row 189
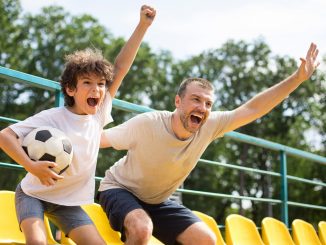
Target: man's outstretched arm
column 265, row 101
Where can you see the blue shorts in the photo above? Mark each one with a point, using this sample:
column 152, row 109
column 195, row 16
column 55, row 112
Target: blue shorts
column 169, row 218
column 66, row 218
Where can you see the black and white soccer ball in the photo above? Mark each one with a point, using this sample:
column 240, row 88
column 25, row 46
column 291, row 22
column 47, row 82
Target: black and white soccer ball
column 49, row 144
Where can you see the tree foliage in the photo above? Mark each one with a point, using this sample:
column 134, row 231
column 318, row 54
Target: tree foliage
column 36, row 44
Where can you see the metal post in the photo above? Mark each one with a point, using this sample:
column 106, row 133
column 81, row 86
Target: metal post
column 59, row 100
column 284, row 189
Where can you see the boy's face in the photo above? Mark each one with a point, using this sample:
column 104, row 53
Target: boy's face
column 88, row 94
column 194, row 107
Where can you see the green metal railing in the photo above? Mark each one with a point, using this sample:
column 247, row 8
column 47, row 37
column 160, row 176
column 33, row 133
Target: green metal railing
column 283, row 150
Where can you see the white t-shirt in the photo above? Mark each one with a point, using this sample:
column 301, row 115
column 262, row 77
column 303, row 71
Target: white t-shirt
column 84, row 131
column 157, row 162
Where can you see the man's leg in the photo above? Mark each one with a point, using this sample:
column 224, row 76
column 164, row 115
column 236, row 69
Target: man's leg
column 138, row 227
column 127, row 216
column 197, row 234
column 175, row 223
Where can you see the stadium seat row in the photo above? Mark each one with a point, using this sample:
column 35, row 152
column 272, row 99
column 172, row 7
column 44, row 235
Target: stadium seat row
column 239, row 230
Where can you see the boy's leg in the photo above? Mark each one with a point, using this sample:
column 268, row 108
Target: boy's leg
column 127, row 216
column 34, row 231
column 30, row 215
column 75, row 223
column 86, row 234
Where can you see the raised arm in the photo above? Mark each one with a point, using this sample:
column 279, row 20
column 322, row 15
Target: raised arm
column 128, row 53
column 265, row 101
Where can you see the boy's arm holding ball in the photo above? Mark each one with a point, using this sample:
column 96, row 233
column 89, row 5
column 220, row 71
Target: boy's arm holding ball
column 11, row 146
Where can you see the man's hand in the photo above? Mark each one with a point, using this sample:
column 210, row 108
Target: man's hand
column 308, row 65
column 147, row 14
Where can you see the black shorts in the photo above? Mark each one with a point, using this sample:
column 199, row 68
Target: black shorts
column 169, row 218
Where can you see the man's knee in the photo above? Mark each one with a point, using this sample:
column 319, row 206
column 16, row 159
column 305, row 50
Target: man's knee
column 208, row 238
column 199, row 234
column 138, row 226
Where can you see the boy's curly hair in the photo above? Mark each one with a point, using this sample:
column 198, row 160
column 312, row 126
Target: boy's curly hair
column 87, row 61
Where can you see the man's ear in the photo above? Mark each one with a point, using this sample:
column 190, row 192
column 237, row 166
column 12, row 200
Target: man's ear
column 177, row 101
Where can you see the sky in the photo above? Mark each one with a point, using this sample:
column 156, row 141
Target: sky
column 188, row 27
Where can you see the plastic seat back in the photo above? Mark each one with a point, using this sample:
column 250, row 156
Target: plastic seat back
column 304, row 233
column 275, row 232
column 211, row 223
column 241, row 230
column 102, row 224
column 9, row 227
column 322, row 232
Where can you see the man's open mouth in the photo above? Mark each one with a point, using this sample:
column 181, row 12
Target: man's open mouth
column 196, row 119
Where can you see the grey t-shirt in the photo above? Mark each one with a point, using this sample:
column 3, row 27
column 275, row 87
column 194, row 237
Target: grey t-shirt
column 157, row 162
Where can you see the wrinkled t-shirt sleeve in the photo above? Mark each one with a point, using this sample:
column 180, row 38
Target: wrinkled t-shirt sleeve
column 123, row 136
column 24, row 127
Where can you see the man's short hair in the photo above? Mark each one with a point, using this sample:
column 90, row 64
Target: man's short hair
column 200, row 81
column 82, row 62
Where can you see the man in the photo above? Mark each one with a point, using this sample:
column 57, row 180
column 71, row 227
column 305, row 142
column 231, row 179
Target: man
column 163, row 147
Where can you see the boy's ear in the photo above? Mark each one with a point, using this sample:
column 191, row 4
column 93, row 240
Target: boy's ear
column 70, row 91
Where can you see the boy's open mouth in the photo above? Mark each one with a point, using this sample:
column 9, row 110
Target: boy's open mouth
column 92, row 101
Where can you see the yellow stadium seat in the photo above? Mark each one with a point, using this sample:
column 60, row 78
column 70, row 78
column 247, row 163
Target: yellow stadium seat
column 211, row 224
column 102, row 224
column 275, row 232
column 304, row 233
column 9, row 227
column 322, row 232
column 240, row 230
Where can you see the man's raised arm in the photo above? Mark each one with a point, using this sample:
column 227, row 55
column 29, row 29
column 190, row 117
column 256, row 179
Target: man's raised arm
column 265, row 101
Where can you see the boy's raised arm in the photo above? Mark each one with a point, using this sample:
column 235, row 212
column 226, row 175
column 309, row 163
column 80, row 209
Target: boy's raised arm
column 128, row 53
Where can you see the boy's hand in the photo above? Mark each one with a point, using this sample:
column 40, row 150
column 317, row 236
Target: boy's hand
column 42, row 170
column 147, row 14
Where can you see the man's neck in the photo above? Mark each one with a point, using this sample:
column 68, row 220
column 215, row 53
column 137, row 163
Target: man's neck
column 179, row 131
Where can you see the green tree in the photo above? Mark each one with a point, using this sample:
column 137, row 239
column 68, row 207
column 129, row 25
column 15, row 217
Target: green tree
column 240, row 70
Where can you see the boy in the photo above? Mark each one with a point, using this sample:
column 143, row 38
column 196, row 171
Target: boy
column 85, row 83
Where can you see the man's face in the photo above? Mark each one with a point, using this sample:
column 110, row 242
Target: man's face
column 194, row 107
column 88, row 94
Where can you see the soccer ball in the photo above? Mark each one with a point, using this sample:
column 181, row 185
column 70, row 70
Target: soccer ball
column 49, row 144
